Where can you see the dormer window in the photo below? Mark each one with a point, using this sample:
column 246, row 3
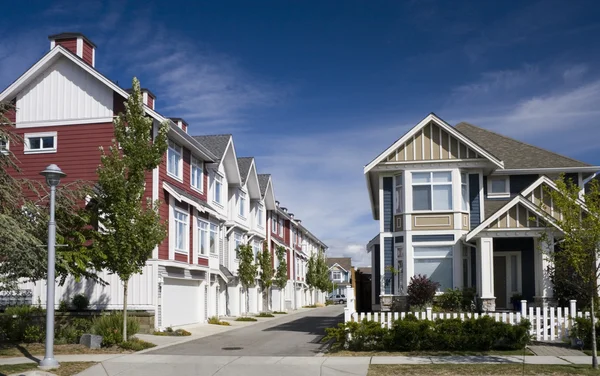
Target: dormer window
column 498, row 186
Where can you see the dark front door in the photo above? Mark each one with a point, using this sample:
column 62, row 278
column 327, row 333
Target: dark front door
column 500, row 281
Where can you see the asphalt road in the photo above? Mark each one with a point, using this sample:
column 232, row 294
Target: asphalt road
column 295, row 335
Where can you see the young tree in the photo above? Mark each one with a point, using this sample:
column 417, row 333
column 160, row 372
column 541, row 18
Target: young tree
column 312, row 278
column 579, row 249
column 265, row 262
column 247, row 270
column 131, row 225
column 281, row 278
column 322, row 273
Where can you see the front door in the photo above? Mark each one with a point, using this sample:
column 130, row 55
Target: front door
column 500, row 281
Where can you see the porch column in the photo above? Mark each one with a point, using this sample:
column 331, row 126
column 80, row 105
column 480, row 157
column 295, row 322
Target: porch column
column 544, row 289
column 485, row 273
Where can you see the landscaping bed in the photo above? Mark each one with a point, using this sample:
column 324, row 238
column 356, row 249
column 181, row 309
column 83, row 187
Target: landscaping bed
column 525, row 352
column 65, row 369
column 478, row 369
column 12, row 350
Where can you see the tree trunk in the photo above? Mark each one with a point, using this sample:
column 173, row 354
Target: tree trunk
column 594, row 347
column 125, row 286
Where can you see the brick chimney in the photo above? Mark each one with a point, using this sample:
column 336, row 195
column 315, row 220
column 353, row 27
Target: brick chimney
column 77, row 43
column 180, row 123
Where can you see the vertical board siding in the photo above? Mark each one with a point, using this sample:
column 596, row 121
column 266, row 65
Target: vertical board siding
column 64, row 92
column 377, row 272
column 163, row 209
column 388, row 202
column 388, row 254
column 69, row 44
column 475, row 204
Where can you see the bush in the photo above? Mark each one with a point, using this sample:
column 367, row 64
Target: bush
column 215, row 321
column 411, row 334
column 16, row 320
column 421, row 290
column 33, row 334
column 71, row 332
column 110, row 327
column 329, row 302
column 265, row 314
column 80, row 302
column 583, row 331
column 63, row 306
column 451, row 300
column 246, row 319
column 309, row 306
column 279, row 313
column 175, row 333
column 136, row 344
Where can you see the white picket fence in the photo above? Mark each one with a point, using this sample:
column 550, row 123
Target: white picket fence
column 547, row 323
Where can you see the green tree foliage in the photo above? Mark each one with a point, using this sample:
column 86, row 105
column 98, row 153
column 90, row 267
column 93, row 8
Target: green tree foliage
column 265, row 263
column 281, row 277
column 247, row 269
column 24, row 215
column 312, row 279
column 322, row 273
column 579, row 221
column 130, row 223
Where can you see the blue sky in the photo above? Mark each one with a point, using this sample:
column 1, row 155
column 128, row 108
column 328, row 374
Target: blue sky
column 316, row 89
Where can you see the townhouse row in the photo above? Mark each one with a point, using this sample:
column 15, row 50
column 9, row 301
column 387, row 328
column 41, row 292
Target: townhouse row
column 212, row 200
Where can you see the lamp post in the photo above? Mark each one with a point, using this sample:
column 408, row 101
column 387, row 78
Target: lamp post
column 53, row 175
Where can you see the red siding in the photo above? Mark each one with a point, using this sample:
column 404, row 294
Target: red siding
column 203, row 261
column 181, row 257
column 163, row 176
column 88, row 54
column 150, row 102
column 273, row 246
column 70, row 44
column 163, row 248
column 286, row 232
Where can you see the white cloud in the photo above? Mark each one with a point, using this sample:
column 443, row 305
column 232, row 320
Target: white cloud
column 575, row 73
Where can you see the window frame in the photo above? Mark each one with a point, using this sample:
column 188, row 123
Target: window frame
column 178, row 150
column 212, row 226
column 259, row 215
column 274, row 224
column 186, row 236
column 448, row 256
column 27, row 147
column 398, row 197
column 505, row 194
column 464, row 199
column 333, row 273
column 431, row 184
column 217, row 178
column 197, row 166
column 241, row 203
column 6, row 148
column 237, row 238
column 280, row 226
column 203, row 228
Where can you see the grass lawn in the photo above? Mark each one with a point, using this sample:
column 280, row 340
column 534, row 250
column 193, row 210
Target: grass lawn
column 11, row 350
column 479, row 369
column 427, row 353
column 65, row 369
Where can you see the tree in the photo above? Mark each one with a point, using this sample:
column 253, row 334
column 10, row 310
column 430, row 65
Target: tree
column 130, row 223
column 312, row 278
column 24, row 214
column 247, row 270
column 265, row 262
column 322, row 273
column 578, row 250
column 280, row 280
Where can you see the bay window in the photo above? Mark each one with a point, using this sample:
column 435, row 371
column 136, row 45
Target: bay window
column 464, row 191
column 174, row 160
column 197, row 178
column 432, row 191
column 213, row 238
column 242, row 204
column 435, row 263
column 398, row 195
column 181, row 234
column 202, row 238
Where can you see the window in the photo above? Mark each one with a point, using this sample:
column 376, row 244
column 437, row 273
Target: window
column 237, row 241
column 218, row 186
column 436, row 264
column 295, row 236
column 202, row 238
column 197, row 179
column 174, row 160
column 432, row 190
column 498, row 186
column 256, row 248
column 464, row 191
column 274, row 224
column 40, row 143
column 280, row 227
column 181, row 222
column 398, row 196
column 213, row 239
column 4, row 145
column 259, row 215
column 242, row 204
column 336, row 276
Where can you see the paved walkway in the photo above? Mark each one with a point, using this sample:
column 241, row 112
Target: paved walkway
column 554, row 349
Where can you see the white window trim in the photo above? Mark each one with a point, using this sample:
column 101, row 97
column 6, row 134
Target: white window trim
column 280, row 226
column 468, row 208
column 198, row 164
column 207, row 240
column 431, row 184
column 235, row 249
column 186, row 232
column 396, row 185
column 259, row 216
column 27, row 136
column 214, row 186
column 242, row 212
column 216, row 252
column 333, row 276
column 502, row 194
column 178, row 176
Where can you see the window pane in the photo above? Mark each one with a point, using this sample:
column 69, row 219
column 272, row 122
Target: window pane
column 35, row 143
column 398, row 180
column 465, row 198
column 442, row 197
column 399, row 199
column 421, row 177
column 442, row 177
column 438, row 270
column 433, row 251
column 499, row 186
column 422, row 197
column 463, row 178
column 48, row 142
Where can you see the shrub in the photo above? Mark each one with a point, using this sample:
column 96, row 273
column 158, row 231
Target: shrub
column 451, row 300
column 80, row 302
column 110, row 327
column 63, row 306
column 175, row 333
column 468, row 302
column 583, row 331
column 15, row 320
column 33, row 334
column 71, row 332
column 265, row 314
column 279, row 313
column 329, row 302
column 136, row 344
column 246, row 319
column 421, row 290
column 215, row 321
column 310, row 306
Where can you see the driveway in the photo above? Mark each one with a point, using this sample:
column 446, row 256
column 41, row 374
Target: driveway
column 296, row 335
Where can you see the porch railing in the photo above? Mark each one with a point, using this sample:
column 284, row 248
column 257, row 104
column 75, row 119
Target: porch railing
column 547, row 323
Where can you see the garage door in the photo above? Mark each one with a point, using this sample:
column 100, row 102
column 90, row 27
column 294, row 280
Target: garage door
column 181, row 302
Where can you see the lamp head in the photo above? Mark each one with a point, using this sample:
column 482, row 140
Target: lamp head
column 53, row 174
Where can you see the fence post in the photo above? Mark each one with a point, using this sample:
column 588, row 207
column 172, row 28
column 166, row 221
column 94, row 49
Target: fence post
column 572, row 313
column 350, row 308
column 523, row 308
column 429, row 315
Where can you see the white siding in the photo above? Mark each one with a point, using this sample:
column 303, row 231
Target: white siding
column 141, row 293
column 64, row 92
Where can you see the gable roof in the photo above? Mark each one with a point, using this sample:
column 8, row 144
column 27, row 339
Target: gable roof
column 216, row 144
column 344, row 262
column 516, row 154
column 244, row 164
column 263, row 182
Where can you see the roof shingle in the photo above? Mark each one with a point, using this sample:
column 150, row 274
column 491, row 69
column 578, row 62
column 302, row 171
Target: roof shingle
column 216, row 144
column 263, row 182
column 344, row 262
column 244, row 164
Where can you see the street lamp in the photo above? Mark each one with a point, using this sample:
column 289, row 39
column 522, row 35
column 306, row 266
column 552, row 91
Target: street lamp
column 53, row 174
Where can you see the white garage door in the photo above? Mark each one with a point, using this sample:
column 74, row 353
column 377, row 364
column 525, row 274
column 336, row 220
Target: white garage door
column 181, row 301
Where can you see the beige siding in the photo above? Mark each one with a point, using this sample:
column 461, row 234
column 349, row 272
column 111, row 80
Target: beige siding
column 433, row 222
column 435, row 136
column 427, row 142
column 522, row 216
column 465, row 221
column 453, row 148
column 419, row 146
column 445, row 146
column 512, row 217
